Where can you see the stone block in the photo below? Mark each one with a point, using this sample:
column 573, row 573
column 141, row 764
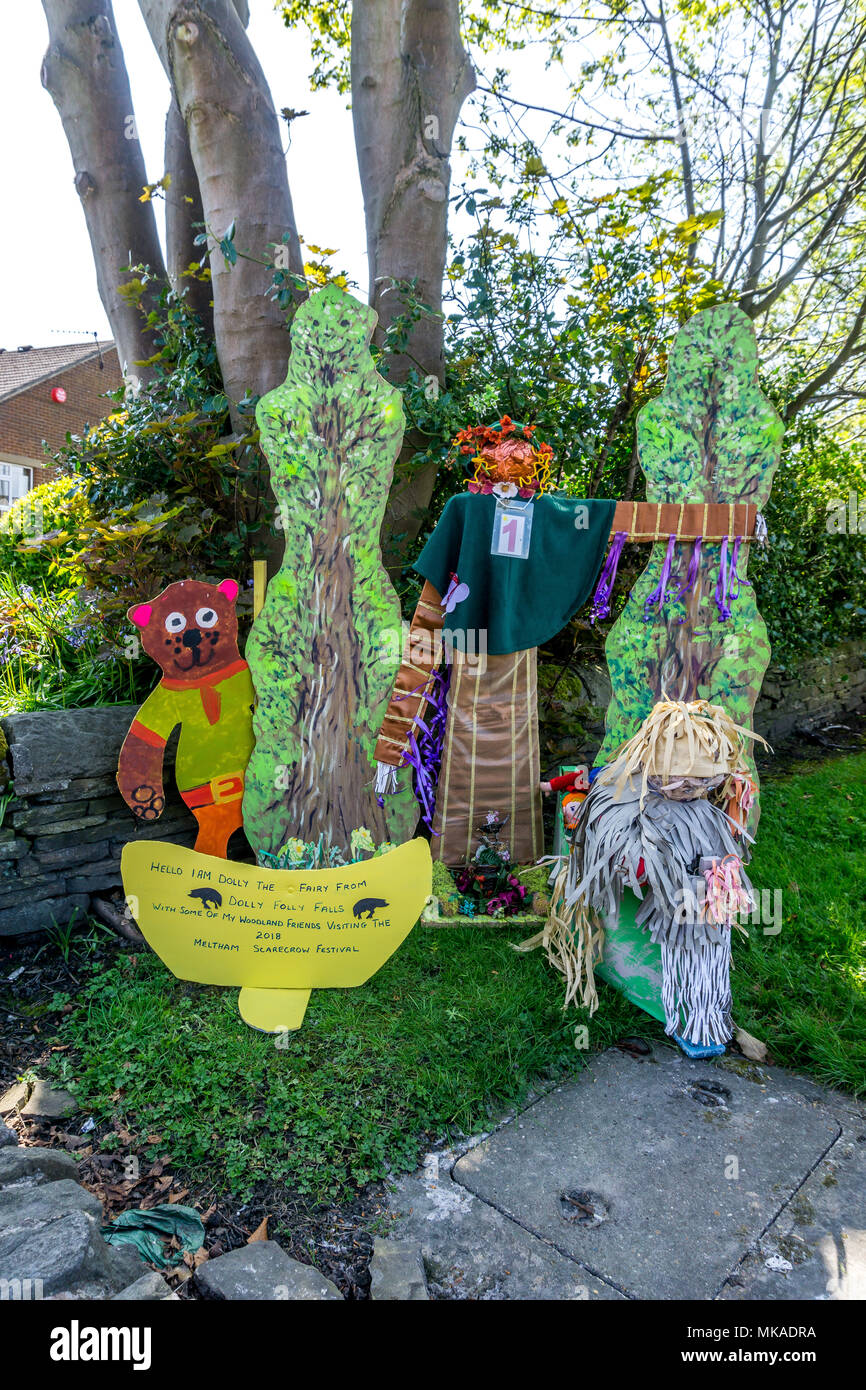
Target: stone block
column 32, row 818
column 165, row 828
column 109, row 805
column 14, row 849
column 64, row 833
column 35, row 1165
column 148, row 1288
column 49, row 1103
column 263, row 1270
column 19, row 921
column 397, row 1272
column 75, row 789
column 58, row 745
column 14, row 892
column 95, row 878
column 28, row 1206
column 65, row 855
column 62, row 1253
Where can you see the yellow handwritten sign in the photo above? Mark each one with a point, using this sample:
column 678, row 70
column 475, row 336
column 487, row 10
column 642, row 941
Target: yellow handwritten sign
column 274, row 931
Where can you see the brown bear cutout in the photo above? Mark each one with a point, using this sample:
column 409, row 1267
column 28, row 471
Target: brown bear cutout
column 191, row 632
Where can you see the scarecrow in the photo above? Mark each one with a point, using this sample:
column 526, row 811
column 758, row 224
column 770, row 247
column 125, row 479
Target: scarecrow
column 665, row 818
column 506, row 567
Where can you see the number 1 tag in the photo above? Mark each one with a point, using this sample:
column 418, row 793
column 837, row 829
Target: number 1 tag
column 512, row 527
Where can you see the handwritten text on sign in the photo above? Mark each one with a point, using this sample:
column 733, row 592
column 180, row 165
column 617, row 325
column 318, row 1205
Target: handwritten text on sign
column 236, row 924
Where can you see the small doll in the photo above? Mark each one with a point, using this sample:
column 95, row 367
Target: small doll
column 574, row 787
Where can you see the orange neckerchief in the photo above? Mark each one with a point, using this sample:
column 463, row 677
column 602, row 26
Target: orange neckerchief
column 210, row 698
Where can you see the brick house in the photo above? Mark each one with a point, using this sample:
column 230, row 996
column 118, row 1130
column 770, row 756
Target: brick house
column 45, row 392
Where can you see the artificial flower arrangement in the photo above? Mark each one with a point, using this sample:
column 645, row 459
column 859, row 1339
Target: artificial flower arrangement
column 488, row 883
column 505, row 453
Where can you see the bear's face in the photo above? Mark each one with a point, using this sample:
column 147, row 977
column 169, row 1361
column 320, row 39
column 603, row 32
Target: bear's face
column 190, row 629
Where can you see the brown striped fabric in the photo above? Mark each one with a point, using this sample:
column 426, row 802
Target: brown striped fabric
column 422, row 655
column 490, row 760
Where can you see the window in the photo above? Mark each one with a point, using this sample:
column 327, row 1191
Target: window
column 15, row 481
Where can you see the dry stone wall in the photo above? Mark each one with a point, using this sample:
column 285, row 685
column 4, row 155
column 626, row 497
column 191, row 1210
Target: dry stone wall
column 64, row 822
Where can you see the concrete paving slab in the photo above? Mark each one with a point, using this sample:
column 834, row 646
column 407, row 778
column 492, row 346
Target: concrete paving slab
column 816, row 1248
column 473, row 1252
column 658, row 1174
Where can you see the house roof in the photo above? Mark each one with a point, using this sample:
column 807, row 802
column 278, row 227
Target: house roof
column 19, row 370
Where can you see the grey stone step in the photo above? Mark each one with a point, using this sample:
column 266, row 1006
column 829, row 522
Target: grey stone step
column 816, row 1247
column 471, row 1251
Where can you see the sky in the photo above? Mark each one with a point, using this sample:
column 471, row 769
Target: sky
column 48, row 291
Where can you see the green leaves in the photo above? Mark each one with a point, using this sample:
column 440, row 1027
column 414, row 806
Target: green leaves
column 226, row 244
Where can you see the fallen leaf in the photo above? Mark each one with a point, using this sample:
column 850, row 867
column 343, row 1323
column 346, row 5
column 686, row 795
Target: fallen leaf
column 178, row 1196
column 750, row 1047
column 260, row 1233
column 199, row 1257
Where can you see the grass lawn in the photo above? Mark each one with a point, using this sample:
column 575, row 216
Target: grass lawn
column 456, row 1026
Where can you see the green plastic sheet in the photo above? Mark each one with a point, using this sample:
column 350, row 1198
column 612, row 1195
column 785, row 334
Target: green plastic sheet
column 148, row 1230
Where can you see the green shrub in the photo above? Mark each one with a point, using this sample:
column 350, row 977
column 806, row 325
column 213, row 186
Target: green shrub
column 811, row 582
column 30, row 528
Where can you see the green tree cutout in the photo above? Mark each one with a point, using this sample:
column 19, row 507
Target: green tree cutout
column 325, row 649
column 711, row 436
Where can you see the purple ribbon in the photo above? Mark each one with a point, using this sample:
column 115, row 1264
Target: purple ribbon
column 659, row 593
column 728, row 582
column 424, row 751
column 604, row 588
column 693, row 570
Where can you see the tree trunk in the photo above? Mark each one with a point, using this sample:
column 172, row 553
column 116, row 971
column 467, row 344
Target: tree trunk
column 234, row 140
column 184, row 218
column 325, row 650
column 85, row 74
column 410, row 77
